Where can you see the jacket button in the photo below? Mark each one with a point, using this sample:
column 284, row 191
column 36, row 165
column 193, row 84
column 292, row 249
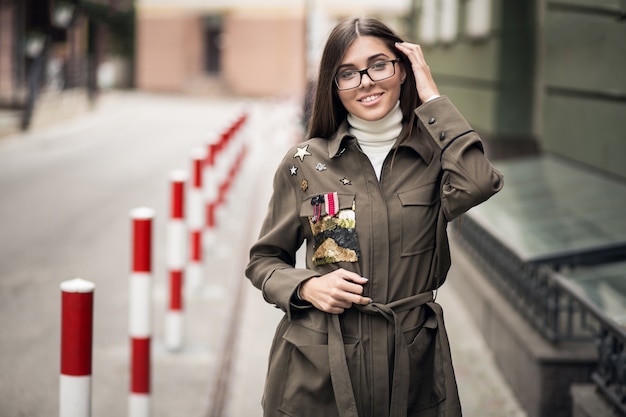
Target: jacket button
column 431, row 120
column 442, row 135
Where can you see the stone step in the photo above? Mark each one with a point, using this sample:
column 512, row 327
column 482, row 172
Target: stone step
column 207, row 86
column 51, row 107
column 10, row 121
column 54, row 106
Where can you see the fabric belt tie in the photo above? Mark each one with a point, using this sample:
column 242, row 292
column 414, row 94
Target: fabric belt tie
column 339, row 373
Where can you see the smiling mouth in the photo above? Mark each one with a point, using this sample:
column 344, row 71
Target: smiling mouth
column 370, row 98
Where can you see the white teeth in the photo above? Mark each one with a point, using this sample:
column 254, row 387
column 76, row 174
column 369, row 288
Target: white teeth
column 370, row 98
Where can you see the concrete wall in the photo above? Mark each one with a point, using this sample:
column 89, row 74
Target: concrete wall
column 549, row 73
column 7, row 20
column 467, row 70
column 264, row 55
column 169, row 51
column 584, row 68
column 490, row 77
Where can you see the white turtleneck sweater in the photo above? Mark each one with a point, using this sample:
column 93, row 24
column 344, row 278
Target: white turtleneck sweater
column 378, row 137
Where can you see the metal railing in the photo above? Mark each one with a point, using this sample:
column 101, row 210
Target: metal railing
column 610, row 372
column 528, row 287
column 551, row 304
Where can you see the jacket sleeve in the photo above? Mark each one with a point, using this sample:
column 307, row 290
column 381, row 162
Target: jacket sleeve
column 468, row 177
column 272, row 258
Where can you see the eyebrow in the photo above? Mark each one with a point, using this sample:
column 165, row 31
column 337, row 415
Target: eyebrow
column 370, row 59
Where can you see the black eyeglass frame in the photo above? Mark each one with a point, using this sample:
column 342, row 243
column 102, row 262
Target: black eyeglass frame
column 365, row 71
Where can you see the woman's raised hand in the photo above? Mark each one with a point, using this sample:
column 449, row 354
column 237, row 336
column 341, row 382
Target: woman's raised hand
column 426, row 87
column 335, row 291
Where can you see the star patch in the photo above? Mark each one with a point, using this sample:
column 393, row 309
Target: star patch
column 345, row 181
column 320, row 167
column 293, row 170
column 302, row 152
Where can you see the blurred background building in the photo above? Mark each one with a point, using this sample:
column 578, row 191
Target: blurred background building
column 56, row 54
column 240, row 46
column 541, row 74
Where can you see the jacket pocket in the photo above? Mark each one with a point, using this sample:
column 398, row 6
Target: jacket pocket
column 334, row 237
column 419, row 218
column 427, row 386
column 308, row 391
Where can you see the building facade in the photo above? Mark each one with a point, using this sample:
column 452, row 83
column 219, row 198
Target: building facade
column 39, row 39
column 50, row 56
column 534, row 75
column 243, row 47
column 538, row 75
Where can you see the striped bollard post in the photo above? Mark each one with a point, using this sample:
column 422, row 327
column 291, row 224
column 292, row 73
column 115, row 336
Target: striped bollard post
column 210, row 185
column 232, row 157
column 241, row 143
column 140, row 306
column 223, row 164
column 195, row 221
column 176, row 260
column 76, row 348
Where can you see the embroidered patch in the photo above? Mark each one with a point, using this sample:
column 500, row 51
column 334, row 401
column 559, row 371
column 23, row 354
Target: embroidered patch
column 293, row 170
column 335, row 238
column 304, row 185
column 320, row 167
column 345, row 181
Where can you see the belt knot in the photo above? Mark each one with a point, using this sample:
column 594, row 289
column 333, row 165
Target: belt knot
column 339, row 374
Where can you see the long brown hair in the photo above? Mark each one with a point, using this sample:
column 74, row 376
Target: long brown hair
column 328, row 112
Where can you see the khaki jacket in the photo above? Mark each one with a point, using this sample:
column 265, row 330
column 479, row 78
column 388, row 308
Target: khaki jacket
column 390, row 358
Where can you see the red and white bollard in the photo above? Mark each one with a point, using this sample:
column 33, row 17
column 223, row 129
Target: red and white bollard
column 222, row 169
column 225, row 162
column 195, row 220
column 76, row 348
column 140, row 312
column 176, row 261
column 210, row 186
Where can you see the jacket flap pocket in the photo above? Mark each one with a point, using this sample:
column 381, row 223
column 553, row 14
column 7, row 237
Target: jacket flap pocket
column 301, row 336
column 424, row 195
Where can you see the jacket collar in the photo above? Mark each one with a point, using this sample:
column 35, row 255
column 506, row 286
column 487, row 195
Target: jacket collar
column 415, row 142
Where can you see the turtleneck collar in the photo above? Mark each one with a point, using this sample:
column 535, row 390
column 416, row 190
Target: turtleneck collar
column 377, row 133
column 378, row 137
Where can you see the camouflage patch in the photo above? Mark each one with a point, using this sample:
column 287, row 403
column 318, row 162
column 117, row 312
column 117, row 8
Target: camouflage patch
column 335, row 238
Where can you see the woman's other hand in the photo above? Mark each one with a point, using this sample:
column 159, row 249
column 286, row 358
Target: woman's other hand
column 335, row 291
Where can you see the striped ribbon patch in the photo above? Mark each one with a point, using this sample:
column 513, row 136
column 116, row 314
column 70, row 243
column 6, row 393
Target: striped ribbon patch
column 332, row 203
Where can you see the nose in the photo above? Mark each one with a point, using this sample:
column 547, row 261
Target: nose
column 366, row 81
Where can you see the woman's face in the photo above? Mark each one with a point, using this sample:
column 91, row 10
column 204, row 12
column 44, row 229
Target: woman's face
column 371, row 100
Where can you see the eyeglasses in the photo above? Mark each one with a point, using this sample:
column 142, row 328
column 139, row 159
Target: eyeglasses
column 379, row 71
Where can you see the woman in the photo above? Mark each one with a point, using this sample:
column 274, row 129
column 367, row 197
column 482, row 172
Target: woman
column 388, row 164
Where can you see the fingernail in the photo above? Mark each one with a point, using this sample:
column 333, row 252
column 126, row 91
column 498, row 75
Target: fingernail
column 365, row 279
